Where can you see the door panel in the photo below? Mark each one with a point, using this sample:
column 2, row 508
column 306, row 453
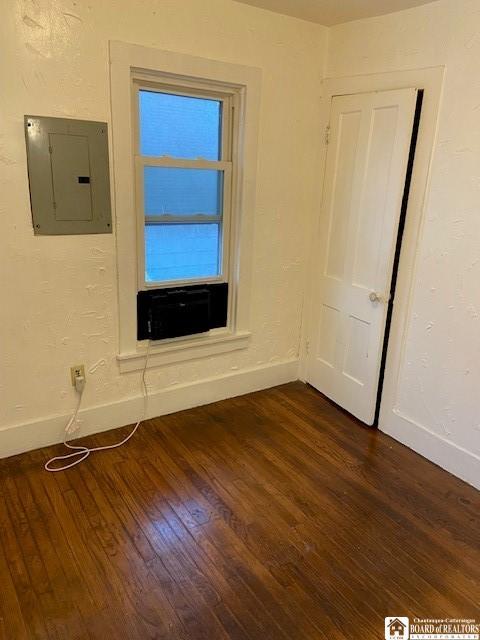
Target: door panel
column 367, row 157
column 356, row 349
column 384, row 126
column 328, row 331
column 349, row 127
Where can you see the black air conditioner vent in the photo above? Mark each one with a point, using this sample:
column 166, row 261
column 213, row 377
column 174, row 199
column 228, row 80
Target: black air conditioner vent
column 181, row 311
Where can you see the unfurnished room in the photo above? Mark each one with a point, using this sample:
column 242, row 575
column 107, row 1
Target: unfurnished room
column 240, row 321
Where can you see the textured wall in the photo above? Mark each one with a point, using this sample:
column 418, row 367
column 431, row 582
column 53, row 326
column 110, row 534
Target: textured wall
column 440, row 380
column 59, row 293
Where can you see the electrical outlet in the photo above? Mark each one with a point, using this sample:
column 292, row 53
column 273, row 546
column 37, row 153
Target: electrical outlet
column 77, row 371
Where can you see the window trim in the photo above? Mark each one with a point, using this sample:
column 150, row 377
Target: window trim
column 171, row 67
column 225, row 164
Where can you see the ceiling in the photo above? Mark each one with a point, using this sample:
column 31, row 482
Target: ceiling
column 330, row 12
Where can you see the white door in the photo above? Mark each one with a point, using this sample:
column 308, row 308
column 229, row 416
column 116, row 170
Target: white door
column 370, row 136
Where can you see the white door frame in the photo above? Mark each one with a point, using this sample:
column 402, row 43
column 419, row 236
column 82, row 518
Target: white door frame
column 431, row 81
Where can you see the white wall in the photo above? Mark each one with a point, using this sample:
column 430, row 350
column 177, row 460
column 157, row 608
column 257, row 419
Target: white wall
column 59, row 293
column 439, row 386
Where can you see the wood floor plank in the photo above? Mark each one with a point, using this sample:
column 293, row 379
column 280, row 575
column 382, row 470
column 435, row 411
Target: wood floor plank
column 12, row 623
column 272, row 516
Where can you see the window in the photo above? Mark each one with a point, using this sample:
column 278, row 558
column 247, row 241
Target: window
column 183, row 175
column 233, row 92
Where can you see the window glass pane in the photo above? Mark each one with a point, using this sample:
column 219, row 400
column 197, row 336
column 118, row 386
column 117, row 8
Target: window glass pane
column 179, row 126
column 169, row 190
column 181, row 251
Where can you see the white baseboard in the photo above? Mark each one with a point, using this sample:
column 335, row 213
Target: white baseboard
column 446, row 454
column 47, row 431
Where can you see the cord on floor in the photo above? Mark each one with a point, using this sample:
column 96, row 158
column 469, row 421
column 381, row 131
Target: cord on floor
column 81, row 452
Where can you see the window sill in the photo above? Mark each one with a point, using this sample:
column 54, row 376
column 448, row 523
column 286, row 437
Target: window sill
column 183, row 349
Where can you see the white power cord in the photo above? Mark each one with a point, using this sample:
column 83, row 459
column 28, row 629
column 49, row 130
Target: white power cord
column 81, row 452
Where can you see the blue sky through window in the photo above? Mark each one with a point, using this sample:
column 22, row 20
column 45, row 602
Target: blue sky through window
column 170, row 190
column 179, row 126
column 180, row 251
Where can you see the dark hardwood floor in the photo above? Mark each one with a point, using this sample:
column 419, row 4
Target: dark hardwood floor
column 271, row 516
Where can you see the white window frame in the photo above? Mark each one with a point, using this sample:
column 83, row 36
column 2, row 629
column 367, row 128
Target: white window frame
column 229, row 134
column 242, row 85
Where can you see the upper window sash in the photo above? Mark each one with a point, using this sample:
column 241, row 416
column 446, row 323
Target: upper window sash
column 226, row 100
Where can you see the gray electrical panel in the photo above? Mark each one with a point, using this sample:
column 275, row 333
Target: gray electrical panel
column 68, row 175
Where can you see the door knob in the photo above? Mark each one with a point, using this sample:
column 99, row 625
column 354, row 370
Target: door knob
column 374, row 297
